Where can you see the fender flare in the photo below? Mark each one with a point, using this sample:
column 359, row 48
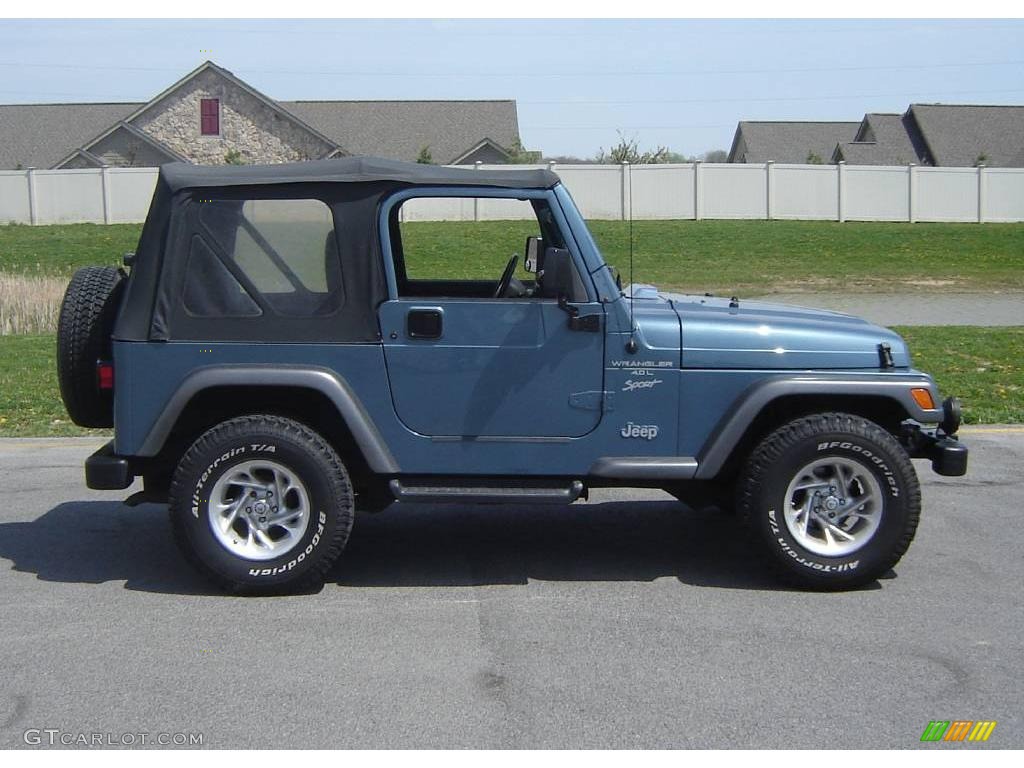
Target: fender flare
column 322, row 380
column 730, row 430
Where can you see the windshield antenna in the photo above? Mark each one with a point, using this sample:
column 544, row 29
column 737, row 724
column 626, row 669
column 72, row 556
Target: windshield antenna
column 631, row 344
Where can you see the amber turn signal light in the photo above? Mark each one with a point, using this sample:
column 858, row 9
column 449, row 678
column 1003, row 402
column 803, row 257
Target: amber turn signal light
column 923, row 398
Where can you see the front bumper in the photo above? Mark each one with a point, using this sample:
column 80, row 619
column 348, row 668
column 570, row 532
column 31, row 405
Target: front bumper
column 947, row 454
column 106, row 471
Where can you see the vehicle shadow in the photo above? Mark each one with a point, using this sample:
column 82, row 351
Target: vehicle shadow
column 94, row 542
column 426, row 545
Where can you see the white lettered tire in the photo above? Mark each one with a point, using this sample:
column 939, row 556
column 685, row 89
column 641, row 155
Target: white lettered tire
column 261, row 504
column 833, row 498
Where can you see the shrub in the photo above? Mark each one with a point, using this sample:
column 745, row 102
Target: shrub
column 30, row 304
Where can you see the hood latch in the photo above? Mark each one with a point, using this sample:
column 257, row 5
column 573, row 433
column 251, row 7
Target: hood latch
column 885, row 356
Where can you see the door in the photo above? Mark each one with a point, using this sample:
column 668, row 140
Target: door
column 465, row 363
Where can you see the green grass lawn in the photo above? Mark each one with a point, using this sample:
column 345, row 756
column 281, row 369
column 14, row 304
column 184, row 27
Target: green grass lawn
column 755, row 257
column 30, row 404
column 745, row 257
column 60, row 249
column 984, row 366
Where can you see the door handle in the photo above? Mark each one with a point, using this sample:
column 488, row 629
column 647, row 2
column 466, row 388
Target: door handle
column 424, row 323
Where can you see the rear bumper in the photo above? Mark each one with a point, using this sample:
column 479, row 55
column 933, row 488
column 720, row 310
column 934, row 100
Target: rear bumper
column 106, row 471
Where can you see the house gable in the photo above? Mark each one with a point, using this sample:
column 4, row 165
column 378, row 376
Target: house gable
column 486, row 151
column 882, row 139
column 81, row 158
column 250, row 123
column 865, row 132
column 738, row 150
column 121, row 146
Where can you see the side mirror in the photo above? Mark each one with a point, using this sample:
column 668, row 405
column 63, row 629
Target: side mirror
column 534, row 251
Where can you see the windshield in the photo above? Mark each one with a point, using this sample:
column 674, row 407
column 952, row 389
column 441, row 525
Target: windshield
column 605, row 276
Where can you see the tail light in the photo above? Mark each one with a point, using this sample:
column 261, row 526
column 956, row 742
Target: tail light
column 105, row 375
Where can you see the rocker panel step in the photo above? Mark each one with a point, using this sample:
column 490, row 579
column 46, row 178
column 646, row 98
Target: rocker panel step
column 447, row 494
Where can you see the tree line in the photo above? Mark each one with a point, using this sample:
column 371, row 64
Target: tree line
column 627, row 150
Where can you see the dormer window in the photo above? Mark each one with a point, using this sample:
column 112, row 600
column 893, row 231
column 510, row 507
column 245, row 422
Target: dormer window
column 209, row 117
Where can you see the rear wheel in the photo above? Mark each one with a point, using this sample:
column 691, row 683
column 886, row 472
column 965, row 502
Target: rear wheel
column 261, row 504
column 833, row 498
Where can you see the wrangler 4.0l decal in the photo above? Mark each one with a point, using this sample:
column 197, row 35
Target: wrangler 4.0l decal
column 642, row 363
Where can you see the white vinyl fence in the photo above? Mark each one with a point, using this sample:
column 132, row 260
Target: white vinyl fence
column 678, row 191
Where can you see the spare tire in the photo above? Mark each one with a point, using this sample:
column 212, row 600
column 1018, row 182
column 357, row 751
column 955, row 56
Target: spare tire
column 86, row 322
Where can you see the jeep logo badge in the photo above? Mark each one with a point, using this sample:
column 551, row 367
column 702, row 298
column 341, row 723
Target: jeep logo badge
column 645, row 431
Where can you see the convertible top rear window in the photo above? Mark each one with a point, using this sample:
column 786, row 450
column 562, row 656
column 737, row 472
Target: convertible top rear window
column 282, row 251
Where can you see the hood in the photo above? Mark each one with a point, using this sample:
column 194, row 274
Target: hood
column 720, row 333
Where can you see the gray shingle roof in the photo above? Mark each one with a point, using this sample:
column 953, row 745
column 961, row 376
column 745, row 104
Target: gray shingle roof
column 883, row 139
column 786, row 141
column 399, row 129
column 40, row 135
column 957, row 135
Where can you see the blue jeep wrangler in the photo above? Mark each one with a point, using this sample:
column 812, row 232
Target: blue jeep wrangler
column 271, row 361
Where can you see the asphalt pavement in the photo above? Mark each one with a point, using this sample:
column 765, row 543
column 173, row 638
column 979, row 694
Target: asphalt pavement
column 987, row 309
column 627, row 621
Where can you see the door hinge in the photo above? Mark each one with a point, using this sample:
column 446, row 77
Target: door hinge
column 592, row 401
column 590, row 323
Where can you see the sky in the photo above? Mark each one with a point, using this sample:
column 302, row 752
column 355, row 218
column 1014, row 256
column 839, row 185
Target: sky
column 578, row 83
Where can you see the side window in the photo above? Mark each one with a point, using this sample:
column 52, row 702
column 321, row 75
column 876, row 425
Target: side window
column 211, row 290
column 284, row 252
column 460, row 246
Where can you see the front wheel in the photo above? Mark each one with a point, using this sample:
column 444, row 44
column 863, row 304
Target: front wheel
column 261, row 504
column 833, row 498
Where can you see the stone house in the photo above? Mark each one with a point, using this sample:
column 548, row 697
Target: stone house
column 212, row 117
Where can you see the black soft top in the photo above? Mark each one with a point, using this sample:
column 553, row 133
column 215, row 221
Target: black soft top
column 351, row 170
column 353, row 187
